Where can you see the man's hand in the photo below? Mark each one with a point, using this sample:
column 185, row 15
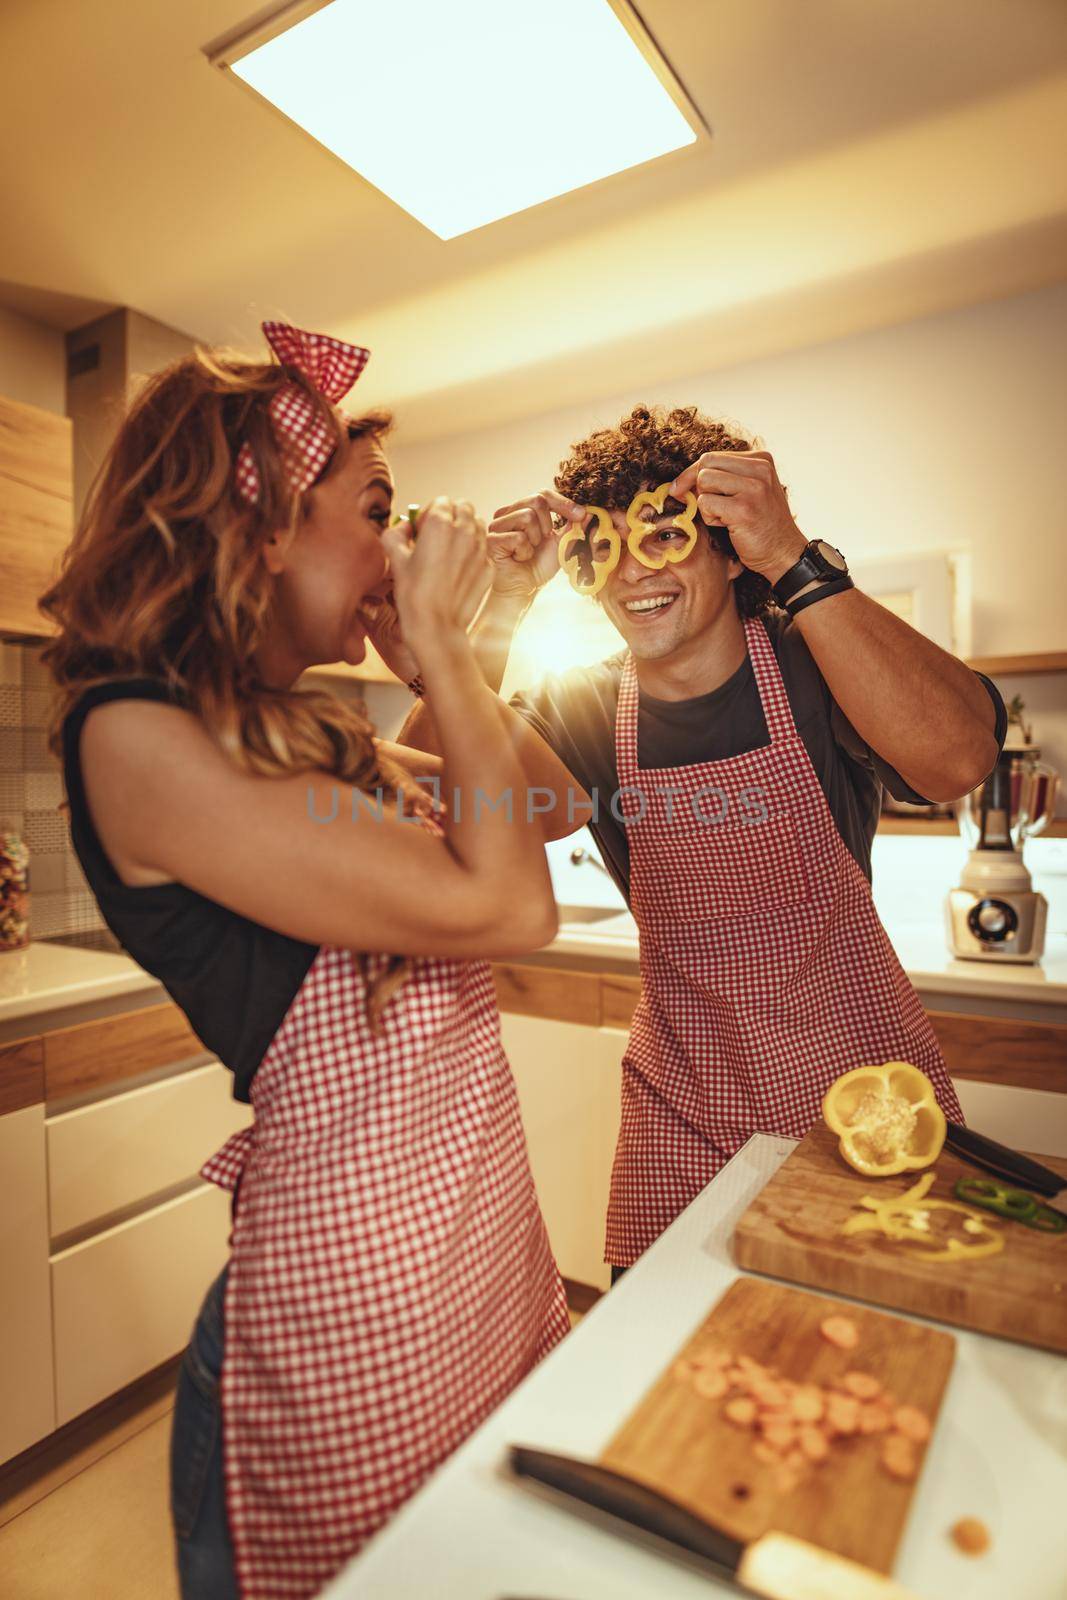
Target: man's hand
column 739, row 490
column 523, row 543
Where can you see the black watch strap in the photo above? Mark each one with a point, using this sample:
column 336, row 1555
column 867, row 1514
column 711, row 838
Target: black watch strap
column 823, row 592
column 811, row 568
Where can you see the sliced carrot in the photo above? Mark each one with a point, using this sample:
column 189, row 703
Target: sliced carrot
column 808, row 1405
column 842, row 1413
column 741, row 1411
column 814, row 1444
column 861, row 1384
column 780, row 1436
column 874, row 1419
column 912, row 1423
column 710, row 1383
column 685, row 1369
column 841, row 1331
column 971, row 1535
column 763, row 1452
column 898, row 1456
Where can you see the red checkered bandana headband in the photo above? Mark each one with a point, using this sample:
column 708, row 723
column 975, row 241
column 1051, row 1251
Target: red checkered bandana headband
column 304, row 437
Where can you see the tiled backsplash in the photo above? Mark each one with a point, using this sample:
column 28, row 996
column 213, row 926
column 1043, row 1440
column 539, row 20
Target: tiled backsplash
column 31, row 793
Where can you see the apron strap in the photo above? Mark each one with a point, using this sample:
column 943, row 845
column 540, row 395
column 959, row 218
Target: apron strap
column 777, row 712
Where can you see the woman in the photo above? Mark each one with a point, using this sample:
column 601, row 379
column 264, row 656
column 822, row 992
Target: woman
column 390, row 1277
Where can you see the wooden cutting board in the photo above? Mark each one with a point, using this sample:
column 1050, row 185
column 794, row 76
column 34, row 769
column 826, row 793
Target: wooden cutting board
column 682, row 1445
column 792, row 1230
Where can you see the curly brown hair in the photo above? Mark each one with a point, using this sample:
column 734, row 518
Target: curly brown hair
column 649, row 447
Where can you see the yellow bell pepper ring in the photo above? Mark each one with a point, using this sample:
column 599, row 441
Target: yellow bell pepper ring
column 887, row 1118
column 685, row 522
column 586, row 571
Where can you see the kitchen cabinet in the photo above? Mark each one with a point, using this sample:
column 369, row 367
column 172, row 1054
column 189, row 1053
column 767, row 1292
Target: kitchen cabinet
column 131, row 1148
column 108, row 1237
column 27, row 1402
column 36, row 510
column 125, row 1300
column 568, row 1082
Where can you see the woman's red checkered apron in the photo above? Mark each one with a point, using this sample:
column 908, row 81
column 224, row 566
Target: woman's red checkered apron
column 765, row 972
column 391, row 1279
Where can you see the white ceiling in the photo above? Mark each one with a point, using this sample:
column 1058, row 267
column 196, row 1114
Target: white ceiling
column 871, row 160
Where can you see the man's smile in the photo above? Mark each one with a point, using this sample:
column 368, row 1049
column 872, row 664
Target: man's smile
column 651, row 604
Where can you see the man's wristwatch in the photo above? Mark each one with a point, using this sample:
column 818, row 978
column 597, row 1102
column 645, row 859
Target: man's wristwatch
column 820, row 563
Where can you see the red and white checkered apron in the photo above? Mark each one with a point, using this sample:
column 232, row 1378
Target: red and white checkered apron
column 765, row 971
column 391, row 1279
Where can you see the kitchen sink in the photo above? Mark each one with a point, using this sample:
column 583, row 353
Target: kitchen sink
column 608, row 920
column 589, row 913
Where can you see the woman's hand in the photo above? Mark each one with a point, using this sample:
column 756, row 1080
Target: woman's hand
column 524, row 542
column 379, row 616
column 441, row 578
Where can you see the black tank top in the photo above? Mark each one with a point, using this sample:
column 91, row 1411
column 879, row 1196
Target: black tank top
column 233, row 978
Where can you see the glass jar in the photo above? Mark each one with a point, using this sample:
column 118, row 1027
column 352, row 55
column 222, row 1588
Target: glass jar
column 14, row 891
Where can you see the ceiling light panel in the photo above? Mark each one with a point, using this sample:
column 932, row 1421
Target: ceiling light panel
column 465, row 111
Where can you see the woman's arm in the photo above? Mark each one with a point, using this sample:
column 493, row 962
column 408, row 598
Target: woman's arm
column 522, row 549
column 315, row 858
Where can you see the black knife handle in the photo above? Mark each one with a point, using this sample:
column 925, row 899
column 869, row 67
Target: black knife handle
column 1003, row 1162
column 623, row 1497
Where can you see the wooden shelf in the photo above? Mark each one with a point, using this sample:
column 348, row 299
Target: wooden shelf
column 1020, row 666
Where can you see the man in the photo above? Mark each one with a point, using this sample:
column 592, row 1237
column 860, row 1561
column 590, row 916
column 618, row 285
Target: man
column 732, row 759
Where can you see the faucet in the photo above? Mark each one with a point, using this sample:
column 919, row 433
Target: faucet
column 578, row 855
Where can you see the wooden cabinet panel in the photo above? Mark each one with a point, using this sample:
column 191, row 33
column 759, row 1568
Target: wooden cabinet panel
column 36, row 509
column 568, row 1082
column 1024, row 1055
column 21, row 1075
column 618, row 1000
column 531, row 991
column 95, row 1054
column 121, row 1151
column 27, row 1400
column 126, row 1300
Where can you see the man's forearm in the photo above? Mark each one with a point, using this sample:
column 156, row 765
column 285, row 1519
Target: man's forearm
column 920, row 708
column 491, row 638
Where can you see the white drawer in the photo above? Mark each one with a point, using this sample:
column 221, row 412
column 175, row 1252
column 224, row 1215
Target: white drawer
column 112, row 1155
column 125, row 1301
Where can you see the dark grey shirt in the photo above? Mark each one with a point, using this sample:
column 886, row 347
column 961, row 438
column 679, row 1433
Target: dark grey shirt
column 574, row 712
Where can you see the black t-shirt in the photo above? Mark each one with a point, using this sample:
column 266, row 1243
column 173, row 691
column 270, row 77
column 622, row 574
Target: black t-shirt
column 233, row 978
column 574, row 712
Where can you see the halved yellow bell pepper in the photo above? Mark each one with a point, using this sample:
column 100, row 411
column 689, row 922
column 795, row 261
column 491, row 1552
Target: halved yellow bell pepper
column 685, row 522
column 577, row 562
column 887, row 1118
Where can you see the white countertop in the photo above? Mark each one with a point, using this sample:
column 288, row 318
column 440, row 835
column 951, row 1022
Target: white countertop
column 999, row 1453
column 922, row 951
column 48, row 977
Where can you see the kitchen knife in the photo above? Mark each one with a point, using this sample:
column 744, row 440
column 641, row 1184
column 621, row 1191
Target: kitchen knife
column 1008, row 1164
column 776, row 1565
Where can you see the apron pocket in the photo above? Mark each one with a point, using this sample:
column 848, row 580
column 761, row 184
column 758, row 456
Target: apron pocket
column 720, row 871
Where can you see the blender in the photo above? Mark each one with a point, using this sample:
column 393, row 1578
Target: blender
column 995, row 914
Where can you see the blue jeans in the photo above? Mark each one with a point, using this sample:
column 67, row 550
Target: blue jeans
column 197, row 1498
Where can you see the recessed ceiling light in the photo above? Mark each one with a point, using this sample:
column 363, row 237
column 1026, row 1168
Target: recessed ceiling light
column 465, row 111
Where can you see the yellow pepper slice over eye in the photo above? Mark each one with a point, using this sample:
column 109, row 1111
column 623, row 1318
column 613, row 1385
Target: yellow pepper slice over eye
column 685, row 522
column 588, row 567
column 887, row 1118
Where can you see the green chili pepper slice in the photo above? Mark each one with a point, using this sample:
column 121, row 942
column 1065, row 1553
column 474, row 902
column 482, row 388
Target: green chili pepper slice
column 1046, row 1219
column 1011, row 1203
column 1014, row 1204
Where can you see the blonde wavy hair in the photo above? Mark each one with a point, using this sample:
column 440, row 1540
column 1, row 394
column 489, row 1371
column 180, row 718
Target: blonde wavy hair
column 164, row 579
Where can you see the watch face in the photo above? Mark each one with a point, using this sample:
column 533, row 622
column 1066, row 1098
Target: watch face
column 828, row 553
